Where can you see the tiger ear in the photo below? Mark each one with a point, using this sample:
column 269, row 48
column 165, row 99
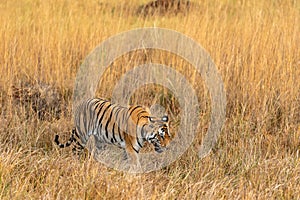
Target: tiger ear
column 165, row 118
column 150, row 119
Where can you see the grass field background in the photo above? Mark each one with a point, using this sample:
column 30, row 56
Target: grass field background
column 255, row 46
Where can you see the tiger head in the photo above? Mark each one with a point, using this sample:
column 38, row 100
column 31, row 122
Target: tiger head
column 157, row 133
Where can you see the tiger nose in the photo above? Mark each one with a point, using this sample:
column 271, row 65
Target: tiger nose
column 159, row 150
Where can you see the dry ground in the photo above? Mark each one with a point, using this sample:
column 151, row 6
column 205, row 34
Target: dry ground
column 255, row 45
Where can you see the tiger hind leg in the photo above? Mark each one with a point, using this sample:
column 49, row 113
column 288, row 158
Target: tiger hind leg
column 77, row 146
column 61, row 145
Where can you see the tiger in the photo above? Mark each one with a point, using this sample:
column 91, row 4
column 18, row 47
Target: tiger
column 126, row 127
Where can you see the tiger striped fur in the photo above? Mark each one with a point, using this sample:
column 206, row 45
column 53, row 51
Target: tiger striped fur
column 126, row 127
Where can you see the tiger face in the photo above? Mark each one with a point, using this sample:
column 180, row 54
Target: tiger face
column 157, row 133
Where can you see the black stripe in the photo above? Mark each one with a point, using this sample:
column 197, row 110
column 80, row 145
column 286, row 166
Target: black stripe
column 92, row 120
column 83, row 109
column 125, row 121
column 135, row 149
column 108, row 121
column 68, row 143
column 90, row 116
column 136, row 107
column 119, row 121
column 142, row 111
column 113, row 133
column 102, row 116
column 122, row 140
column 129, row 115
column 88, row 106
column 56, row 140
column 74, row 133
column 100, row 109
column 113, row 130
column 143, row 133
column 137, row 128
column 96, row 121
column 78, row 143
column 137, row 138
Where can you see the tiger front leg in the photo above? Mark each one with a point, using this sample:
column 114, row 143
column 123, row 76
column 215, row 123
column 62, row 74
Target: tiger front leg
column 134, row 165
column 132, row 155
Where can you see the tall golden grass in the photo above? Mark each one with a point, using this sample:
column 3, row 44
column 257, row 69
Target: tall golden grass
column 255, row 45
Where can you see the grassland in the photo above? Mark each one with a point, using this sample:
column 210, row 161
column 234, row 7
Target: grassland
column 255, row 46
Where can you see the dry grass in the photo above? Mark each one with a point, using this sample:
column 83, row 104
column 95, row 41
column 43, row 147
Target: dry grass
column 255, row 45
